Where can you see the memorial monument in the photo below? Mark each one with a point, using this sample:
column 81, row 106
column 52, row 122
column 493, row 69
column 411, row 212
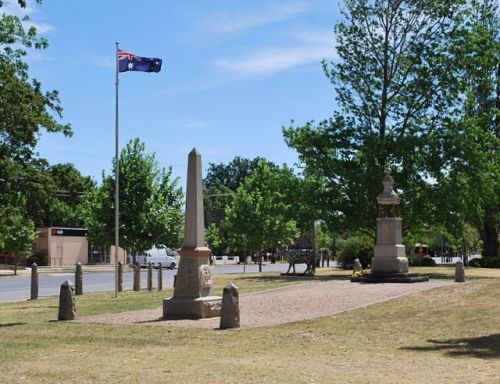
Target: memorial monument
column 193, row 291
column 389, row 263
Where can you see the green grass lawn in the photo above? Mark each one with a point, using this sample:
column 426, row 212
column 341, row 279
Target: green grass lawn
column 446, row 335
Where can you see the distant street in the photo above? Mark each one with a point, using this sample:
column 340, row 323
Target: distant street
column 14, row 288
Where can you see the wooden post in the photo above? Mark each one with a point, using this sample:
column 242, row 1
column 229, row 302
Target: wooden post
column 137, row 277
column 120, row 276
column 160, row 277
column 78, row 279
column 34, row 282
column 150, row 277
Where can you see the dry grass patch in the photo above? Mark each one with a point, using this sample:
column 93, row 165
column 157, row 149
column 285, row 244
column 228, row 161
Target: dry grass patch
column 446, row 335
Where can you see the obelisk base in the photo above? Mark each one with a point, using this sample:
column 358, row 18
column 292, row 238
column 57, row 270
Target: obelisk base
column 389, row 264
column 193, row 292
column 192, row 308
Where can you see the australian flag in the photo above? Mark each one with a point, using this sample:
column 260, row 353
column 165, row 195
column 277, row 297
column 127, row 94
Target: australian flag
column 130, row 62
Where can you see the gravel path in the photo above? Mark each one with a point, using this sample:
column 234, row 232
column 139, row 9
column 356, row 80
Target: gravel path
column 283, row 305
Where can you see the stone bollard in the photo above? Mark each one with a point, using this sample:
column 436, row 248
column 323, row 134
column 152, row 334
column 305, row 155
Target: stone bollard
column 67, row 306
column 34, row 282
column 137, row 277
column 357, row 266
column 78, row 279
column 459, row 272
column 230, row 312
column 150, row 277
column 120, row 276
column 160, row 277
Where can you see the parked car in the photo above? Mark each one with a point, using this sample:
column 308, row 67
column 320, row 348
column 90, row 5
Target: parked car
column 157, row 256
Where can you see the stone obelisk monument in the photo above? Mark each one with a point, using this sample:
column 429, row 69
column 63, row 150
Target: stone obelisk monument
column 193, row 291
column 389, row 263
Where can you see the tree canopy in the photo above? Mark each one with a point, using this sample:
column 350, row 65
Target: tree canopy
column 150, row 204
column 400, row 85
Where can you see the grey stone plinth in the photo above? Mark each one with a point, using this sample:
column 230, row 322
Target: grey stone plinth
column 67, row 304
column 459, row 272
column 357, row 266
column 389, row 265
column 193, row 277
column 230, row 313
column 389, row 231
column 397, row 250
column 192, row 308
column 390, row 278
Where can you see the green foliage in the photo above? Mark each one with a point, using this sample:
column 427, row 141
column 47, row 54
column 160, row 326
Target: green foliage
column 261, row 214
column 220, row 184
column 213, row 239
column 16, row 232
column 421, row 261
column 357, row 246
column 26, row 110
column 150, row 204
column 394, row 87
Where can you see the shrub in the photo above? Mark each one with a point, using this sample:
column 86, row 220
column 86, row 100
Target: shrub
column 421, row 261
column 358, row 246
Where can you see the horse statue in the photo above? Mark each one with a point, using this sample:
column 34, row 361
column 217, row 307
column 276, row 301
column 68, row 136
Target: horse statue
column 300, row 256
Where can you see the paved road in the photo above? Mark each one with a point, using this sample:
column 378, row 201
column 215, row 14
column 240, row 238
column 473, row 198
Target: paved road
column 18, row 287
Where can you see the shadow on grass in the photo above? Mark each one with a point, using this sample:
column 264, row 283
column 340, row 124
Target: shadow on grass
column 11, row 324
column 444, row 276
column 485, row 347
column 305, row 279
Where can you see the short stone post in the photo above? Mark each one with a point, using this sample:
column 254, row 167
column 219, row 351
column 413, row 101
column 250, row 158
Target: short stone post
column 120, row 276
column 137, row 277
column 67, row 306
column 357, row 266
column 230, row 312
column 459, row 272
column 160, row 277
column 34, row 282
column 78, row 279
column 150, row 277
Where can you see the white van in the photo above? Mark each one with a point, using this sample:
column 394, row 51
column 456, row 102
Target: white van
column 157, row 256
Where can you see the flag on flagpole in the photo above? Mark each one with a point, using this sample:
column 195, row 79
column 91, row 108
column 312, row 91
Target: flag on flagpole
column 130, row 62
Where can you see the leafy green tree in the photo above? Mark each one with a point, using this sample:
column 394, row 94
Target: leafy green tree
column 468, row 172
column 26, row 111
column 16, row 233
column 220, row 184
column 150, row 204
column 213, row 239
column 69, row 188
column 260, row 216
column 395, row 86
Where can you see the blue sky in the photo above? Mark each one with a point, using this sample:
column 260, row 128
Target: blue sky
column 234, row 73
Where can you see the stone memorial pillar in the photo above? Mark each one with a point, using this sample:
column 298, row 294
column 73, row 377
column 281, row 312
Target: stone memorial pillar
column 67, row 306
column 193, row 291
column 78, row 279
column 230, row 314
column 389, row 252
column 34, row 282
column 389, row 263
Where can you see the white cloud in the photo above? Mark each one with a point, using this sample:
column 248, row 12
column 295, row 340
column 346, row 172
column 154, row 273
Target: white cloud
column 309, row 46
column 102, row 61
column 12, row 7
column 195, row 125
column 225, row 23
column 41, row 28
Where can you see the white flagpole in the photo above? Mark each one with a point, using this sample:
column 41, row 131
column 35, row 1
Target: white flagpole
column 117, row 175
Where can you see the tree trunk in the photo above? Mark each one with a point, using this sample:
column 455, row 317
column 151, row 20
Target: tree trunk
column 490, row 236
